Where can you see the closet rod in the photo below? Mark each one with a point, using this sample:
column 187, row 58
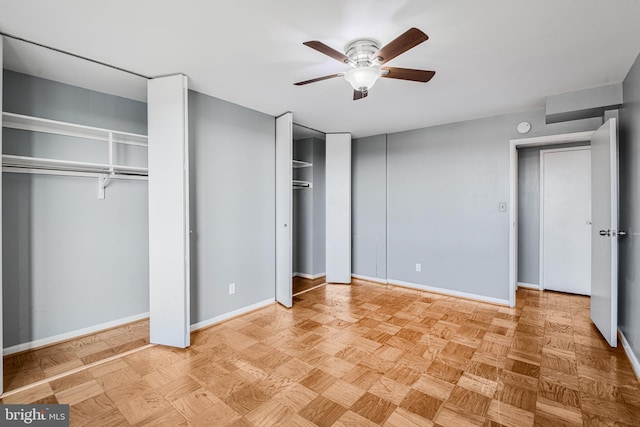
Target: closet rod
column 298, row 185
column 11, row 169
column 95, row 61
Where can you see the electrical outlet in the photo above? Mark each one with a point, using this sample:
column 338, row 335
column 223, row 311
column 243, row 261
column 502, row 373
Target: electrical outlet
column 232, row 288
column 418, row 267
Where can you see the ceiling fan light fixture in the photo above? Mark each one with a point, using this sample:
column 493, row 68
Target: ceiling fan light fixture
column 362, row 78
column 367, row 58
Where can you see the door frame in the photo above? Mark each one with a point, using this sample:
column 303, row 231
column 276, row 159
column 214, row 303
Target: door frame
column 514, row 144
column 541, row 228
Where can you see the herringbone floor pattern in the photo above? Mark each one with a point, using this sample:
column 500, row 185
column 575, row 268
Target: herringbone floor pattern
column 367, row 355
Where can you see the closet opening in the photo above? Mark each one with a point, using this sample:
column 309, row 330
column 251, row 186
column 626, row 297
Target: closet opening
column 75, row 237
column 554, row 217
column 308, row 209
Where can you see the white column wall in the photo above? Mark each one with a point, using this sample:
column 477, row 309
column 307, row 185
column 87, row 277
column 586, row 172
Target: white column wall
column 338, row 214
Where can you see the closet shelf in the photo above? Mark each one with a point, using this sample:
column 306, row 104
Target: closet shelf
column 111, row 137
column 36, row 124
column 26, row 162
column 301, row 164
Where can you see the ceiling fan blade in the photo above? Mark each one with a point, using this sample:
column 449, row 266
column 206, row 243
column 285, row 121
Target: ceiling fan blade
column 359, row 95
column 329, row 51
column 318, row 79
column 408, row 74
column 410, row 38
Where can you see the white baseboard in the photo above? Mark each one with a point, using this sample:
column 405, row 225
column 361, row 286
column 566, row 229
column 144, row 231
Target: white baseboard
column 309, row 276
column 73, row 334
column 231, row 314
column 528, row 285
column 450, row 292
column 635, row 364
column 369, row 278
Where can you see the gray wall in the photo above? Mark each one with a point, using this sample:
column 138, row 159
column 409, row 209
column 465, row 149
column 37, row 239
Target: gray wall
column 529, row 212
column 369, row 206
column 444, row 184
column 319, row 207
column 232, row 152
column 629, row 273
column 70, row 261
column 528, row 215
column 302, row 204
column 56, row 101
column 584, row 103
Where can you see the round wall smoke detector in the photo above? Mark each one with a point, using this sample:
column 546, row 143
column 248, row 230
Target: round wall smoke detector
column 524, row 127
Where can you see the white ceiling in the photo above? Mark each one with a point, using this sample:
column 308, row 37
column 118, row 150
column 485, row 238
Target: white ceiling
column 490, row 57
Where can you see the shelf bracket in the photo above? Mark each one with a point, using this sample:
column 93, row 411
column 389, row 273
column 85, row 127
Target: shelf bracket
column 110, row 142
column 103, row 182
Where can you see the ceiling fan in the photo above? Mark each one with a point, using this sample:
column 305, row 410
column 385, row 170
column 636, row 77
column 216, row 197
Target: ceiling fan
column 367, row 57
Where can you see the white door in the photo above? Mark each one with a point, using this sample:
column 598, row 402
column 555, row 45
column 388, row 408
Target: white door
column 604, row 252
column 284, row 157
column 565, row 220
column 169, row 262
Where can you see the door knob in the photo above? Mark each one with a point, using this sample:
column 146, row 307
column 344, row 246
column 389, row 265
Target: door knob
column 605, row 232
column 622, row 233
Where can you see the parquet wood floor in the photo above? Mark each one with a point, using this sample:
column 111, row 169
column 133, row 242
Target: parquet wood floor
column 300, row 284
column 369, row 355
column 30, row 366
